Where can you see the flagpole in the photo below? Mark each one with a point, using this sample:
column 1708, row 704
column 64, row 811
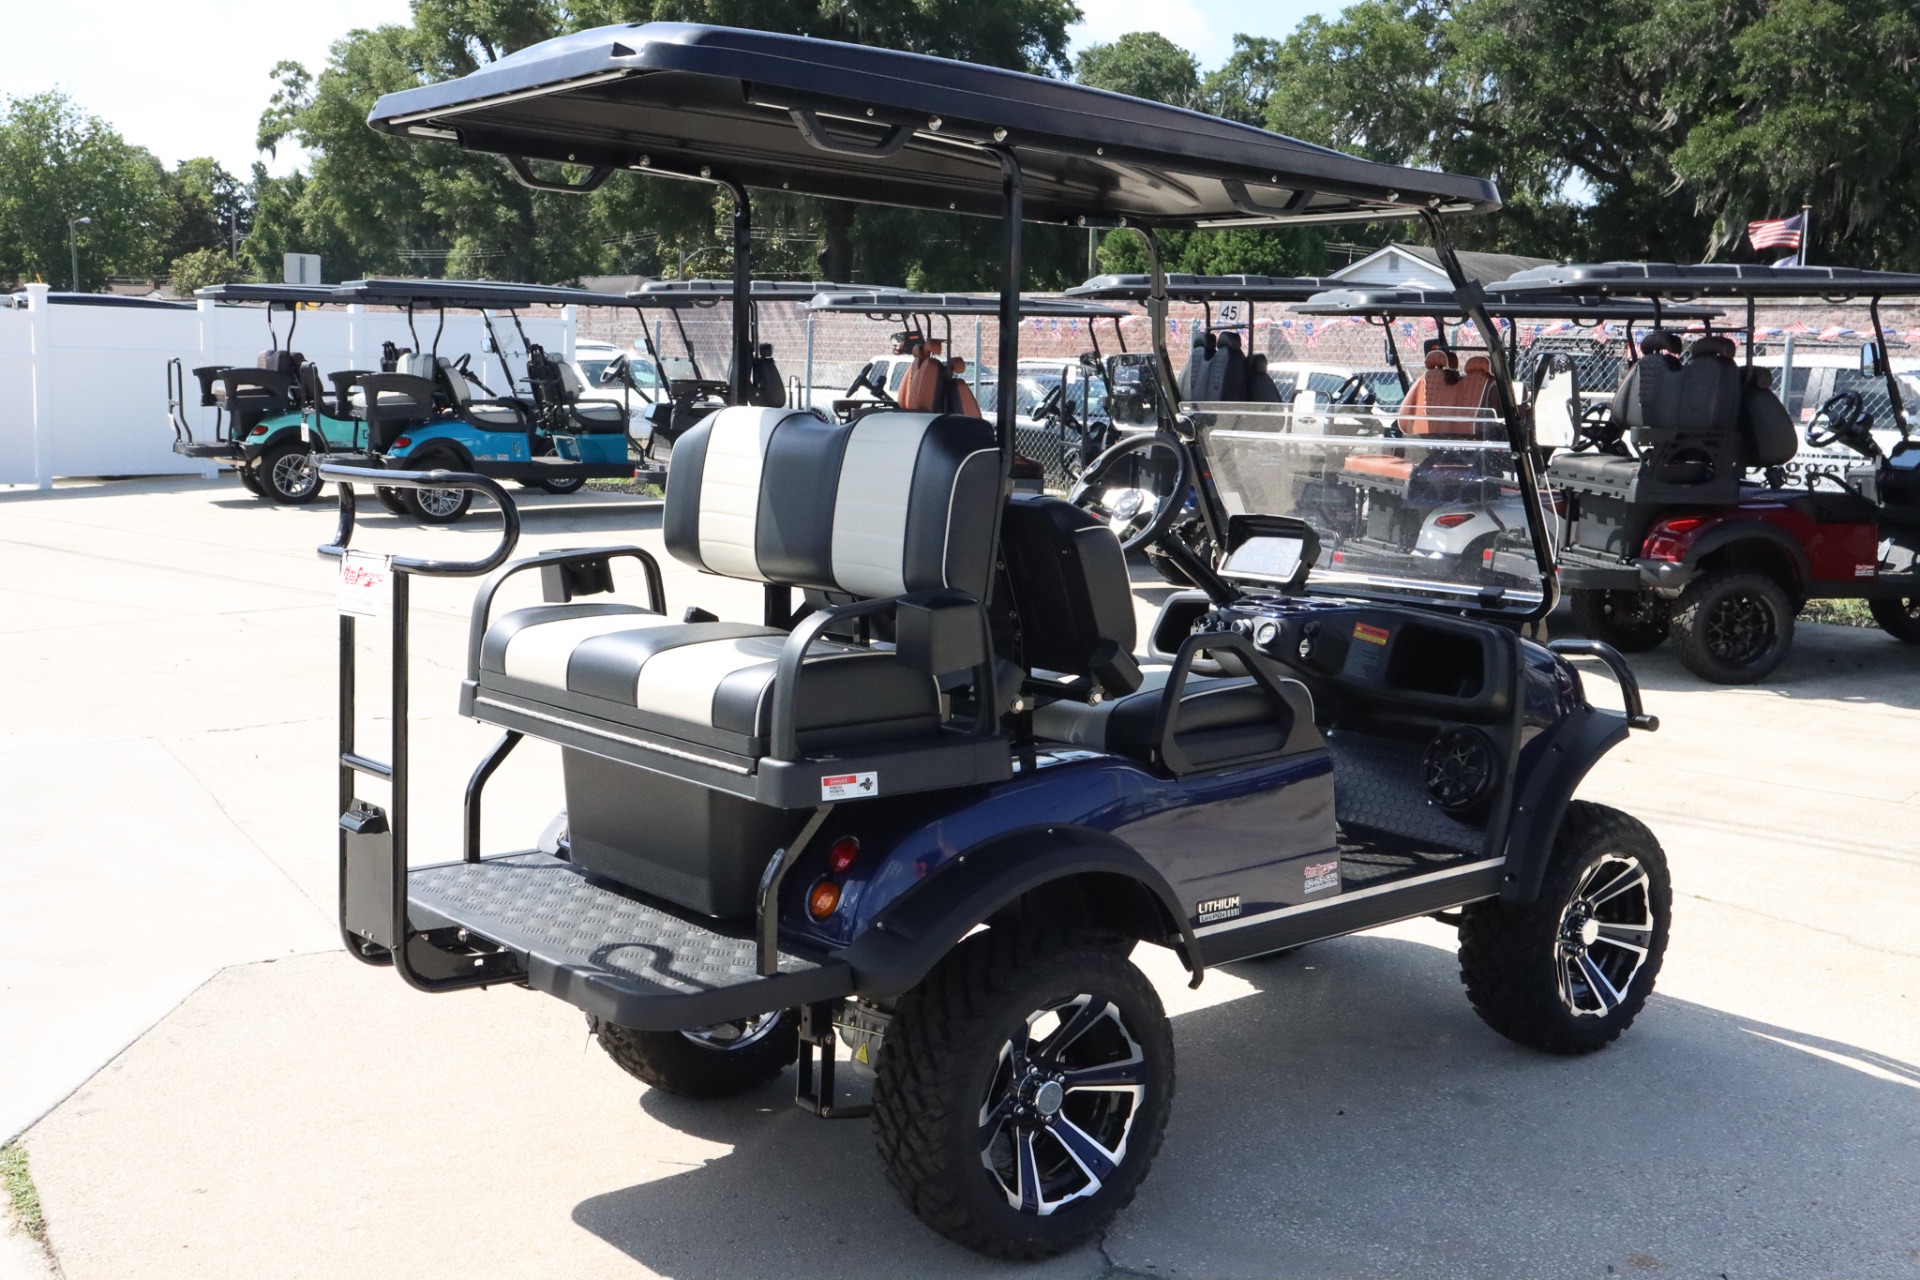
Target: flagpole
column 1806, row 227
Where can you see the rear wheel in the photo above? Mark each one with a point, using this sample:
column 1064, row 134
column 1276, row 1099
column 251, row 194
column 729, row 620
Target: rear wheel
column 1630, row 621
column 288, row 473
column 1732, row 628
column 1899, row 617
column 1022, row 1092
column 563, row 484
column 390, row 499
column 711, row 1062
column 249, row 481
column 436, row 506
column 1569, row 971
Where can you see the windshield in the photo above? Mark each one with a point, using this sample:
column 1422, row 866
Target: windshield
column 1434, row 513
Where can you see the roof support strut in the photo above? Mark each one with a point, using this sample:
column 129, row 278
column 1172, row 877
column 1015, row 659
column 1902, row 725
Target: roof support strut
column 742, row 290
column 1473, row 302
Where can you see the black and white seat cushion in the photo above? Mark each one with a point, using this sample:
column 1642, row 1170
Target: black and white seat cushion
column 1220, row 719
column 896, row 504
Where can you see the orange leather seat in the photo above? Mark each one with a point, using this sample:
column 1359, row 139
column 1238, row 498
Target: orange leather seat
column 964, row 402
column 920, row 392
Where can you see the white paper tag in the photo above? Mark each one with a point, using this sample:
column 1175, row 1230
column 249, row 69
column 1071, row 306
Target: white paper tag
column 366, row 584
column 850, row 786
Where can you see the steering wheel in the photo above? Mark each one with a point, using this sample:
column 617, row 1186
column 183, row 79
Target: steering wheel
column 1356, row 390
column 1597, row 430
column 1143, row 507
column 865, row 379
column 1846, row 419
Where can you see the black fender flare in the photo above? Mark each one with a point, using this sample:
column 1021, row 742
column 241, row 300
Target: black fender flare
column 1720, row 537
column 1570, row 749
column 910, row 935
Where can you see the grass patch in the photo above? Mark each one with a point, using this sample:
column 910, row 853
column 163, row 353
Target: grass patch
column 634, row 487
column 23, row 1198
column 1838, row 613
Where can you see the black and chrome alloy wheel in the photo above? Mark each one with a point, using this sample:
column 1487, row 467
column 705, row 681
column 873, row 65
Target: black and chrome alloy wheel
column 1605, row 933
column 1064, row 1097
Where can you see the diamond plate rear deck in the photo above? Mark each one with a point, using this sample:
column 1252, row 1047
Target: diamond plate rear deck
column 613, row 953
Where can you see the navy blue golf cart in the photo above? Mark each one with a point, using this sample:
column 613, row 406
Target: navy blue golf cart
column 935, row 797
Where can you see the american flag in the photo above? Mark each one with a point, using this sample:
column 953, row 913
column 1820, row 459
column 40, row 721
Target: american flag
column 1775, row 233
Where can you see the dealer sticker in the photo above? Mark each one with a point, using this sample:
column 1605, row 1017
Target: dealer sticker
column 1322, row 876
column 1217, row 909
column 1371, row 634
column 1865, row 570
column 850, row 786
column 366, row 584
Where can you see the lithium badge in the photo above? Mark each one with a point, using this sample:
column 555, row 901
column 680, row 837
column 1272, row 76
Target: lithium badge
column 850, row 786
column 1217, row 909
column 366, row 584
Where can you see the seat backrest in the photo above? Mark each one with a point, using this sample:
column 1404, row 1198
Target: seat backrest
column 964, row 401
column 1261, row 388
column 310, row 389
column 1412, row 417
column 1698, row 397
column 920, row 392
column 1767, row 435
column 1068, row 579
column 449, row 380
column 891, row 504
column 1230, row 383
column 279, row 360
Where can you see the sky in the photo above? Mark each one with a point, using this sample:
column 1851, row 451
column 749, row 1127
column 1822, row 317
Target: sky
column 190, row 77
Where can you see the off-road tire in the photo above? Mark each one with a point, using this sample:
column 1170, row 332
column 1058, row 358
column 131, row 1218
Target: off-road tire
column 273, row 465
column 940, row 1059
column 1509, row 952
column 1899, row 618
column 572, row 485
column 1699, row 623
column 389, row 498
column 1630, row 621
column 249, row 481
column 418, row 509
column 669, row 1061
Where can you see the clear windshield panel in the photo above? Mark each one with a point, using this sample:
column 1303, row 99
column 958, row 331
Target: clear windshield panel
column 1428, row 507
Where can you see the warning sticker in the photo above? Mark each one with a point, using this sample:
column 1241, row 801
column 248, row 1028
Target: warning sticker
column 850, row 786
column 366, row 584
column 1322, row 876
column 1371, row 634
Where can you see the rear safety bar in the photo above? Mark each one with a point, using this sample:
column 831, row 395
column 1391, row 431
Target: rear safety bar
column 1629, row 686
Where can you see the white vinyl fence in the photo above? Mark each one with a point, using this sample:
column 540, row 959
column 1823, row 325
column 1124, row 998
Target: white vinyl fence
column 83, row 383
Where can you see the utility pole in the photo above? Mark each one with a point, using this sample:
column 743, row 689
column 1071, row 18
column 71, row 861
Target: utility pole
column 73, row 249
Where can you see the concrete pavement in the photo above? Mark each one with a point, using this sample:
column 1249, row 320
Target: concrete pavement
column 169, row 659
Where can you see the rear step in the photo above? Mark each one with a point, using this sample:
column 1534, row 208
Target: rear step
column 611, row 952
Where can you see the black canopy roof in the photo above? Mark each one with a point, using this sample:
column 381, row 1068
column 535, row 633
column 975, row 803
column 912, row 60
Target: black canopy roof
column 268, row 293
column 1442, row 302
column 1190, row 288
column 881, row 126
column 1706, row 280
column 903, row 301
column 673, row 295
column 477, row 295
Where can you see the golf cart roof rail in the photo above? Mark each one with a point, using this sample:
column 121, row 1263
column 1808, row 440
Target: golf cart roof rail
column 1191, row 288
column 898, row 301
column 880, row 126
column 475, row 295
column 1705, row 280
column 1443, row 303
column 680, row 294
column 288, row 294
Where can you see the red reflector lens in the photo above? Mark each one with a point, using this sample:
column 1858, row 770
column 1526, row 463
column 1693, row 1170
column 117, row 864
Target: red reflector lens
column 1686, row 524
column 841, row 856
column 822, row 899
column 403, row 442
column 259, row 431
column 1453, row 519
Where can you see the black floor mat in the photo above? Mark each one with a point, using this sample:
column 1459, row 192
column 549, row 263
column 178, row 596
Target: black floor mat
column 1380, row 800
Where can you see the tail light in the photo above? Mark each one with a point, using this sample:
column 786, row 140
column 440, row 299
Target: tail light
column 823, row 899
column 1453, row 519
column 403, row 442
column 842, row 854
column 1670, row 538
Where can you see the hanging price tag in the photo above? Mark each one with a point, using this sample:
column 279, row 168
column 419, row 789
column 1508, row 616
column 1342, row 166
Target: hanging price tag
column 366, row 584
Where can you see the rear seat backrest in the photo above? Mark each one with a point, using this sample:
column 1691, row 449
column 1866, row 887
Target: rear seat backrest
column 891, row 504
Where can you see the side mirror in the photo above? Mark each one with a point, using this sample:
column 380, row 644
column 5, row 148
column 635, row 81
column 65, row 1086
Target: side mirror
column 1872, row 362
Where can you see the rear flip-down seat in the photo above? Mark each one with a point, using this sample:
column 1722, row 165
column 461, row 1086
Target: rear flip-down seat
column 897, row 507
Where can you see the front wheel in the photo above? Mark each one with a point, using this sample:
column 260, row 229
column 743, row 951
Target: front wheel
column 563, row 484
column 1732, row 628
column 1898, row 617
column 712, row 1062
column 1022, row 1092
column 288, row 474
column 1630, row 621
column 1569, row 971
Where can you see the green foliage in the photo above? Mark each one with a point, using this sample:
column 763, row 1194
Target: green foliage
column 1142, row 64
column 23, row 1198
column 57, row 163
column 202, row 267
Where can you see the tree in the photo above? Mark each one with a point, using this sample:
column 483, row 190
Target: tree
column 1142, row 64
column 193, row 271
column 57, row 164
column 208, row 204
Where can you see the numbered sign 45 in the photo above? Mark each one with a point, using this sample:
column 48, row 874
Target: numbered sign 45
column 366, row 584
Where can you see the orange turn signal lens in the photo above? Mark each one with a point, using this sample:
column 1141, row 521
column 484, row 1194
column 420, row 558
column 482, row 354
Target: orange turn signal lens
column 842, row 854
column 822, row 899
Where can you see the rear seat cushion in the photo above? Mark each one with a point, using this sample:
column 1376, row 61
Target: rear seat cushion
column 705, row 682
column 891, row 504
